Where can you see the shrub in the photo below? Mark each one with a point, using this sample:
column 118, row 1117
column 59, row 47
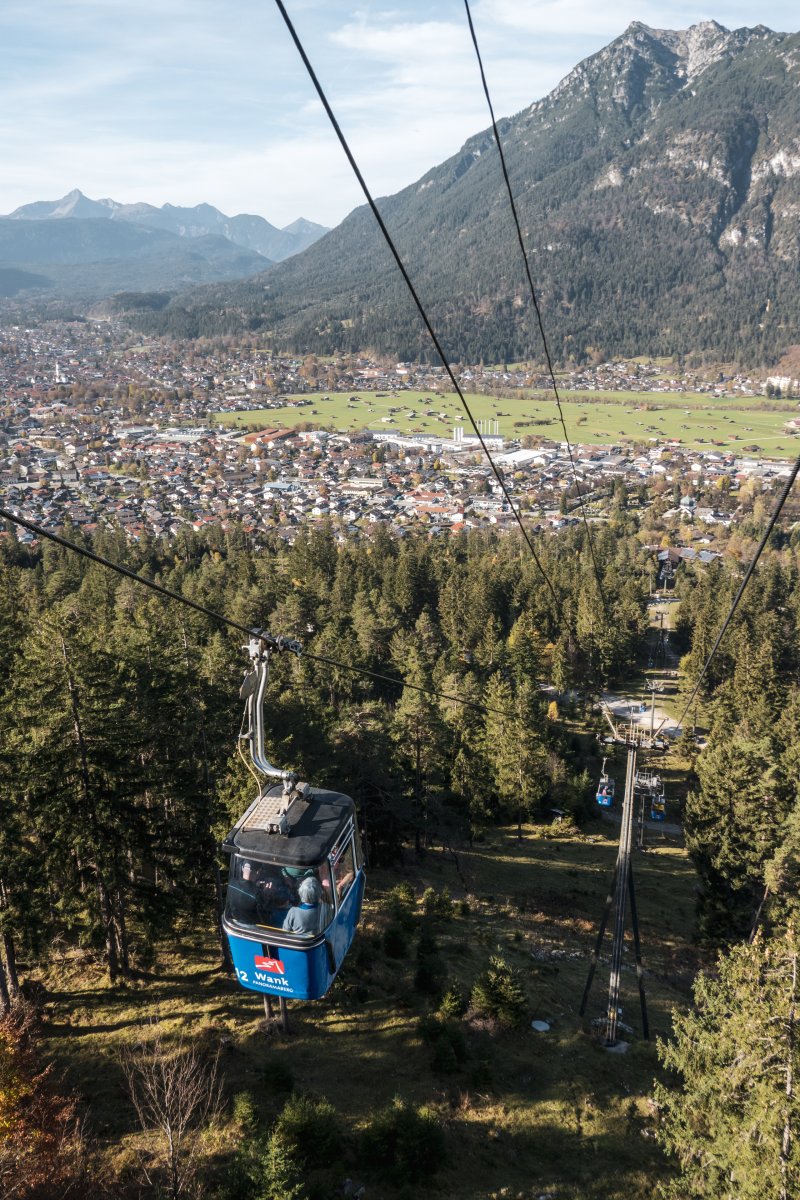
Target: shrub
column 403, row 1144
column 282, row 1176
column 437, row 904
column 431, row 968
column 244, row 1112
column 498, row 993
column 278, row 1077
column 395, row 944
column 364, row 954
column 309, row 1129
column 303, row 1152
column 430, row 976
column 444, row 1060
column 454, row 1004
column 41, row 1148
column 446, row 1039
column 401, row 906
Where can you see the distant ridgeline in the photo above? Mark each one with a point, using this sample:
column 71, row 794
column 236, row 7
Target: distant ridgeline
column 83, row 249
column 658, row 186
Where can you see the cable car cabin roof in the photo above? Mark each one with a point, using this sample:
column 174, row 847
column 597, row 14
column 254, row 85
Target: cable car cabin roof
column 314, row 826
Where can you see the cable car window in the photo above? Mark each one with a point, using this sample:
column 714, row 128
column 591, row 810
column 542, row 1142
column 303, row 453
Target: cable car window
column 344, row 867
column 259, row 893
column 324, row 876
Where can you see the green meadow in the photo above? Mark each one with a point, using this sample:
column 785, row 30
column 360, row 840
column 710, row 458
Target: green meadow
column 743, row 425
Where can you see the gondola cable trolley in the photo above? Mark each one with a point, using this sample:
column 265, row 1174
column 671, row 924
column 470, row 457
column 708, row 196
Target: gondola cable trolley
column 271, row 812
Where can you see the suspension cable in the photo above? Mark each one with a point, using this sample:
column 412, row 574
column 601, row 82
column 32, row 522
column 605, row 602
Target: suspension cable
column 223, row 620
column 401, row 266
column 770, row 526
column 535, row 300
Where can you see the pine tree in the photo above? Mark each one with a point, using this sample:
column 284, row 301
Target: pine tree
column 732, row 827
column 514, row 748
column 421, row 739
column 733, row 1122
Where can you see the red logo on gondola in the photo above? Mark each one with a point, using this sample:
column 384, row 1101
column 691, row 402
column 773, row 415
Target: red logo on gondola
column 269, row 964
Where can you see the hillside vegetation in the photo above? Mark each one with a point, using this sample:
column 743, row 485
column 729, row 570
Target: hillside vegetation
column 421, row 1068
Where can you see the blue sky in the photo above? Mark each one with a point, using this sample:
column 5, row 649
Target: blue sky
column 171, row 100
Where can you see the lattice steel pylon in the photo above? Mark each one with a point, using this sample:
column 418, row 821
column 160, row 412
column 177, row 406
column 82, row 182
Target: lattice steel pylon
column 620, row 891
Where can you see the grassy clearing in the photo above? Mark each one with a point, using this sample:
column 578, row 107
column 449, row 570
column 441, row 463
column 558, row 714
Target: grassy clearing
column 698, row 421
column 526, row 1111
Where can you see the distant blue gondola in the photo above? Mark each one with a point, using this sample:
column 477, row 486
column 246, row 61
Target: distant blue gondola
column 658, row 807
column 605, row 789
column 296, row 877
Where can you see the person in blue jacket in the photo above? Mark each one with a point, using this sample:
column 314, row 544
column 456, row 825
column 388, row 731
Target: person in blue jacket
column 311, row 915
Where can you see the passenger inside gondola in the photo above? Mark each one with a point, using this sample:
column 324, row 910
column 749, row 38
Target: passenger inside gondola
column 344, row 869
column 243, row 898
column 312, row 914
column 281, row 898
column 278, row 894
column 258, row 894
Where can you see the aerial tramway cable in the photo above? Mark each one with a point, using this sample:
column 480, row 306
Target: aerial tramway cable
column 215, row 616
column 535, row 301
column 401, row 267
column 770, row 526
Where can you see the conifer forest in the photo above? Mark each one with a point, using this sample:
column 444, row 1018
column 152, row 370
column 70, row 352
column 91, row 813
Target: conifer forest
column 130, row 1063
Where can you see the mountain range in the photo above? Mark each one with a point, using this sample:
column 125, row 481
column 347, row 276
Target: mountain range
column 81, row 247
column 203, row 220
column 658, row 187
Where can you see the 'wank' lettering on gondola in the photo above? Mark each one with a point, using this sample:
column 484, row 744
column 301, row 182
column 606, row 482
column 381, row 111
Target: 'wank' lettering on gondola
column 274, row 982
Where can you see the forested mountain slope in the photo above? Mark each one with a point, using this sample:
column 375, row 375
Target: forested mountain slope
column 153, row 690
column 659, row 195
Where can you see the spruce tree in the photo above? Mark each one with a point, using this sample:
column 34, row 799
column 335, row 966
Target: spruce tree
column 733, row 1121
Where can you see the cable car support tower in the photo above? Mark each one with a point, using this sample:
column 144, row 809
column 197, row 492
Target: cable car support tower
column 621, row 891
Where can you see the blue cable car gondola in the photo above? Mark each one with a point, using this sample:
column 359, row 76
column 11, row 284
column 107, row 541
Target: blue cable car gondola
column 658, row 806
column 605, row 789
column 296, row 880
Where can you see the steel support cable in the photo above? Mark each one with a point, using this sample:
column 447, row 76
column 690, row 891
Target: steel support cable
column 535, row 300
column 223, row 620
column 770, row 526
column 407, row 278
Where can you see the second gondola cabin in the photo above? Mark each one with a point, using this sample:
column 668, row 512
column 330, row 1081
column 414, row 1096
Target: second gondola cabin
column 605, row 789
column 658, row 807
column 294, row 898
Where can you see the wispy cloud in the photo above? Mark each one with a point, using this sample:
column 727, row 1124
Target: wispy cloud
column 191, row 100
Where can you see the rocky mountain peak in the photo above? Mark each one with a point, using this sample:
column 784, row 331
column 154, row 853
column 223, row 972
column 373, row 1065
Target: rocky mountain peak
column 695, row 49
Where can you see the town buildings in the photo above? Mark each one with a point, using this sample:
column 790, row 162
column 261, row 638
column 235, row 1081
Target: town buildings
column 99, row 432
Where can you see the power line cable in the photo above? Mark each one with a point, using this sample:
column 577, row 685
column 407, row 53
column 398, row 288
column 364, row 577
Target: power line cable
column 770, row 526
column 535, row 300
column 59, row 540
column 396, row 255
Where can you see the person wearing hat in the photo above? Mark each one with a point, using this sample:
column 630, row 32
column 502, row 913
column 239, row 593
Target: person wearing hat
column 311, row 915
